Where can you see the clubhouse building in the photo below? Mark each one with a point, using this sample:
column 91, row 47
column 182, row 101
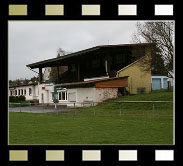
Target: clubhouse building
column 92, row 75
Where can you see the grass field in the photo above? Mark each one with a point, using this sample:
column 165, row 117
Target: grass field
column 101, row 124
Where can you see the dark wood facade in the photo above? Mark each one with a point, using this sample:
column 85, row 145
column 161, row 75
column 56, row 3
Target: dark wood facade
column 94, row 62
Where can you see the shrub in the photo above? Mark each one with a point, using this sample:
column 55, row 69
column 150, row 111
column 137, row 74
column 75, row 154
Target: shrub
column 21, row 98
column 12, row 99
column 16, row 98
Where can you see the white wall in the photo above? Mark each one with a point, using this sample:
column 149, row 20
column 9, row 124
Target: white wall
column 103, row 94
column 93, row 94
column 34, row 94
column 45, row 96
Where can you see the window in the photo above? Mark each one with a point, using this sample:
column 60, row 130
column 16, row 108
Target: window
column 19, row 92
column 11, row 93
column 72, row 97
column 15, row 92
column 62, row 95
column 24, row 91
column 141, row 90
column 30, row 91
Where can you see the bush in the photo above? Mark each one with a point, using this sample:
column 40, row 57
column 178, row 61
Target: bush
column 16, row 98
column 21, row 98
column 12, row 99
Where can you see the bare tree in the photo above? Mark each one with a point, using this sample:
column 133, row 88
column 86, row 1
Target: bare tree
column 161, row 34
column 60, row 69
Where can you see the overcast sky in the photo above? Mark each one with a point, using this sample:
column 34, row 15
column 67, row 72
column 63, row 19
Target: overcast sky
column 33, row 41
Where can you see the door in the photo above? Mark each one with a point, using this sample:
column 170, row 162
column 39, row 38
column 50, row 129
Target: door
column 156, row 83
column 42, row 97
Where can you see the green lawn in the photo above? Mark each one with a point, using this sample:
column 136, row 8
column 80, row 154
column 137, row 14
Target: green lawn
column 101, row 124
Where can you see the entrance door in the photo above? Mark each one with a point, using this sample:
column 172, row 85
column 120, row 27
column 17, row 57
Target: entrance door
column 42, row 97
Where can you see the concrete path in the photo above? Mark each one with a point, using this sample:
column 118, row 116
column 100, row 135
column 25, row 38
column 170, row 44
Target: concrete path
column 39, row 109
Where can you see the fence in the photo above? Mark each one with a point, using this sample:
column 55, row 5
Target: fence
column 118, row 108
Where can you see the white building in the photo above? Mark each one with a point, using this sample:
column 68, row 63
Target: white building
column 30, row 91
column 81, row 93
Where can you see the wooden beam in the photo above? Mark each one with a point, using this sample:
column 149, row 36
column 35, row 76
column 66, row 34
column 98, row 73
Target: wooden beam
column 122, row 82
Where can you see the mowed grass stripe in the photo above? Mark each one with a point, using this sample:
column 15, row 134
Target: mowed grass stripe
column 135, row 126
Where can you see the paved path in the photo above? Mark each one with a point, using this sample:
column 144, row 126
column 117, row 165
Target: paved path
column 39, row 109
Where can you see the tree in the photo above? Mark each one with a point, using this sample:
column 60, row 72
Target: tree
column 25, row 81
column 61, row 69
column 161, row 34
column 34, row 79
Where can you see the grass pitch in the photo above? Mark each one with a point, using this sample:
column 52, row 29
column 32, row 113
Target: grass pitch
column 101, row 124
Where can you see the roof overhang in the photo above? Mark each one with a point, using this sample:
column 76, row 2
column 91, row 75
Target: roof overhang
column 115, row 82
column 64, row 60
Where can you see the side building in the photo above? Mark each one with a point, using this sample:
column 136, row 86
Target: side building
column 30, row 91
column 139, row 80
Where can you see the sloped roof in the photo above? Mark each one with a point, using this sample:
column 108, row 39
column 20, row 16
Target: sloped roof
column 49, row 62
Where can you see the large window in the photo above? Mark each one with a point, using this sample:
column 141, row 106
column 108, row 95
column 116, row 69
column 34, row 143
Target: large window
column 30, row 91
column 62, row 95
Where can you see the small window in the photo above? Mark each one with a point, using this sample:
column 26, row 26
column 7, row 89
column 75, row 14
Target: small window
column 24, row 91
column 19, row 92
column 15, row 92
column 141, row 90
column 30, row 91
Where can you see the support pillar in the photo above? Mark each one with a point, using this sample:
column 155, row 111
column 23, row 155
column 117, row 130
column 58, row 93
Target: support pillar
column 78, row 72
column 40, row 75
column 106, row 67
column 58, row 73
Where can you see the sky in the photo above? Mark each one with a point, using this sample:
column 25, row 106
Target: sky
column 33, row 41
